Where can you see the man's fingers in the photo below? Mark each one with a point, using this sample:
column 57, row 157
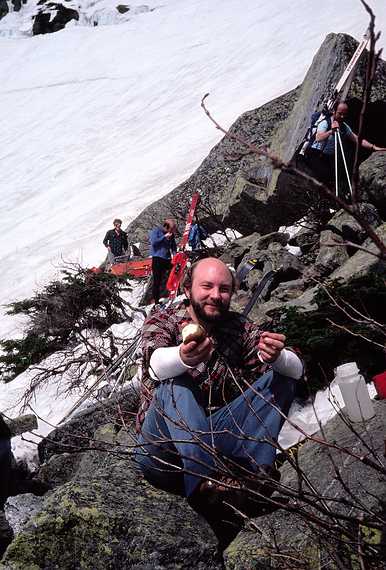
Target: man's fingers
column 273, row 343
column 194, row 348
column 272, row 335
column 265, row 356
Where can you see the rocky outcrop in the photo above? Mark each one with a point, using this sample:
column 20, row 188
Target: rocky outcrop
column 3, row 8
column 52, row 17
column 105, row 515
column 240, row 189
column 346, row 483
column 216, row 177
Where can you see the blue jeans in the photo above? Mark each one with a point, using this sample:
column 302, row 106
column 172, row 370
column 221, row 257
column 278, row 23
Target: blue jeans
column 180, row 444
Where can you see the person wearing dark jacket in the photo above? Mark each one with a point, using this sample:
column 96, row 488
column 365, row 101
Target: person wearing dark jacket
column 6, row 533
column 162, row 247
column 116, row 241
column 5, row 460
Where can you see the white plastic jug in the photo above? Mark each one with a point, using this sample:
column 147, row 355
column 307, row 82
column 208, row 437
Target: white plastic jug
column 358, row 405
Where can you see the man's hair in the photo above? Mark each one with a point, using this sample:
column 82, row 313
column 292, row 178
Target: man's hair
column 117, row 221
column 188, row 278
column 337, row 103
column 169, row 223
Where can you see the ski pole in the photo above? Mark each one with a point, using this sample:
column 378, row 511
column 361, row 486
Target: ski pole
column 344, row 161
column 336, row 161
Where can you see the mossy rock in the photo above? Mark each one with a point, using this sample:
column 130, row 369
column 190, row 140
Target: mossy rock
column 108, row 517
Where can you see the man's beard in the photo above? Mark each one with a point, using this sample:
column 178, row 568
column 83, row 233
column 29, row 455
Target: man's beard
column 199, row 309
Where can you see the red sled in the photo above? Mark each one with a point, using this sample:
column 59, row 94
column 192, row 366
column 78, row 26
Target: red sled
column 141, row 268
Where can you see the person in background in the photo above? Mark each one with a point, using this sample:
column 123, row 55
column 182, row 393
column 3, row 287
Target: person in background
column 6, row 533
column 116, row 241
column 196, row 235
column 162, row 247
column 321, row 155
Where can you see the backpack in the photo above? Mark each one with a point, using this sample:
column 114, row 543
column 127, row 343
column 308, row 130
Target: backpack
column 309, row 139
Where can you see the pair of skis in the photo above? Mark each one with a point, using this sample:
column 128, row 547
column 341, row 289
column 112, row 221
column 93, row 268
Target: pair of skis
column 180, row 259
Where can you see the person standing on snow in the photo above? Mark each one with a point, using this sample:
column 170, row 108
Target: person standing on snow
column 116, row 241
column 162, row 247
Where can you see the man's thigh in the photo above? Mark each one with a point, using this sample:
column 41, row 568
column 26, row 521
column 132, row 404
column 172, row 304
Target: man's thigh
column 157, row 456
column 260, row 408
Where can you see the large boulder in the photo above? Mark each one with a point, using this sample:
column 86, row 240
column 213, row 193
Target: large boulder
column 108, row 517
column 241, row 189
column 335, row 479
column 363, row 262
column 53, row 16
column 216, row 177
column 372, row 181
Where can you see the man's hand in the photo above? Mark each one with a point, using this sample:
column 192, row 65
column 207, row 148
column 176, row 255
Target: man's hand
column 193, row 353
column 335, row 125
column 270, row 346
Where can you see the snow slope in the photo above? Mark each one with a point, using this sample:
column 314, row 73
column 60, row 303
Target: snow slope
column 98, row 122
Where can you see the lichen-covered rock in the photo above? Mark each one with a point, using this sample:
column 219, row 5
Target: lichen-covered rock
column 372, row 182
column 216, row 179
column 77, row 433
column 20, row 509
column 108, row 517
column 362, row 262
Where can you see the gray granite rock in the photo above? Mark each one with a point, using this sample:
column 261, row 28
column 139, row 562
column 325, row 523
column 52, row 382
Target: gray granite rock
column 108, row 517
column 289, row 538
column 362, row 263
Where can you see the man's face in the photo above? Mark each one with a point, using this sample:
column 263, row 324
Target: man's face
column 211, row 291
column 341, row 112
column 117, row 226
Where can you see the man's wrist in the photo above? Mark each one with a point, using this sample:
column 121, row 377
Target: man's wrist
column 182, row 360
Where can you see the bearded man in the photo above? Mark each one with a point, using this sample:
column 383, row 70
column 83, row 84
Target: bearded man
column 211, row 406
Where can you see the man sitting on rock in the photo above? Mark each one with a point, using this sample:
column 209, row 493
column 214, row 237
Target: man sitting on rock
column 213, row 406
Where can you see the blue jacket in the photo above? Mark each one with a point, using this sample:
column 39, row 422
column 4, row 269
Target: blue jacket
column 196, row 235
column 161, row 246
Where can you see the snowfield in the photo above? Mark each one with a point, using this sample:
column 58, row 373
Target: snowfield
column 99, row 121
